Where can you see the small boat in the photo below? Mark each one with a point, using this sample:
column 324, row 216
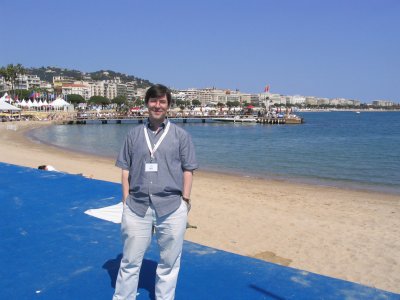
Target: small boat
column 357, row 112
column 293, row 119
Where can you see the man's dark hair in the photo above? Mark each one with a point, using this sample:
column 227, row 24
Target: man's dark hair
column 158, row 90
column 43, row 167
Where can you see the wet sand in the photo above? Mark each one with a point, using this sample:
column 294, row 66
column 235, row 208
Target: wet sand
column 348, row 234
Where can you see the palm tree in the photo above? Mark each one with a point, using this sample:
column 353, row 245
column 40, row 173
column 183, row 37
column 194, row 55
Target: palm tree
column 10, row 73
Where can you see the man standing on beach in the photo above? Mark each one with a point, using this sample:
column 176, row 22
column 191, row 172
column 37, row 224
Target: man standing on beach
column 157, row 162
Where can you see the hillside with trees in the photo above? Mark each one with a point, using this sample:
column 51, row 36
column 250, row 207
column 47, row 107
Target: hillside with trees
column 47, row 73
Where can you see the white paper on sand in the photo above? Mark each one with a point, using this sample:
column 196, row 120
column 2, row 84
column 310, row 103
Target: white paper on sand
column 111, row 213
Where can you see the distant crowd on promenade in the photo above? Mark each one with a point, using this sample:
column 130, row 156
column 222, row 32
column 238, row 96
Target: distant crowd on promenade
column 38, row 116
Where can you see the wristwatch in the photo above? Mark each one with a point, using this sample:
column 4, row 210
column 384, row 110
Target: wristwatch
column 187, row 200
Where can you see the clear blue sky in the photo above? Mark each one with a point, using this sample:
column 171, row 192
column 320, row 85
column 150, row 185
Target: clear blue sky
column 324, row 48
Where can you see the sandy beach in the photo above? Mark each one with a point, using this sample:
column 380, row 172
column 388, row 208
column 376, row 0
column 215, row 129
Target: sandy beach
column 348, row 234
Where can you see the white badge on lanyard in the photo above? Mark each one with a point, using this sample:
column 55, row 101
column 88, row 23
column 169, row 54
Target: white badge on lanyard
column 153, row 167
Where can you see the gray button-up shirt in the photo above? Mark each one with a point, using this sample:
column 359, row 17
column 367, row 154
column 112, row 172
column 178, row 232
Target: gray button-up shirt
column 164, row 187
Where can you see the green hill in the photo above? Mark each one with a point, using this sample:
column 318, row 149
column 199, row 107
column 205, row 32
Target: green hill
column 47, row 73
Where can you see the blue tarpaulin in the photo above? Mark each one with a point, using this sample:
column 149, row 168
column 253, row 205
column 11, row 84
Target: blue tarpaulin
column 51, row 249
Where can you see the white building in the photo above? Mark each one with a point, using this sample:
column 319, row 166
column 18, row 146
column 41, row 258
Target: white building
column 340, row 102
column 110, row 90
column 382, row 103
column 250, row 99
column 122, row 89
column 46, row 85
column 311, row 100
column 140, row 92
column 130, row 90
column 3, row 85
column 59, row 80
column 96, row 88
column 298, row 100
column 211, row 96
column 277, row 99
column 81, row 89
column 323, row 101
column 26, row 82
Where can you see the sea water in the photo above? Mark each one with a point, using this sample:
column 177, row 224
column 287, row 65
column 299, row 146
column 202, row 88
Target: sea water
column 341, row 149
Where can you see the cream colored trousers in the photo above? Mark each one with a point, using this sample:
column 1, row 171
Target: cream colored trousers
column 136, row 236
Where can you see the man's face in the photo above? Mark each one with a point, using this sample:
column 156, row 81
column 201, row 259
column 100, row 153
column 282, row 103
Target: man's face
column 158, row 108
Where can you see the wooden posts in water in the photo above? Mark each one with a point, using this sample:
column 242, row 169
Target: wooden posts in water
column 271, row 121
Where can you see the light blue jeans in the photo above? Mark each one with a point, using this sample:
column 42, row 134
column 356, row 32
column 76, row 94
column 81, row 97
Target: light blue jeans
column 136, row 236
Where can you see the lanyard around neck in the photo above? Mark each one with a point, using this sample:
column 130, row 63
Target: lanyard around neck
column 153, row 150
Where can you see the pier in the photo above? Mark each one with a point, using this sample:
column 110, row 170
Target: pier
column 136, row 120
column 191, row 119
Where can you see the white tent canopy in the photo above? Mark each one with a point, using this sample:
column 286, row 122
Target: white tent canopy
column 7, row 98
column 59, row 103
column 23, row 103
column 35, row 103
column 7, row 106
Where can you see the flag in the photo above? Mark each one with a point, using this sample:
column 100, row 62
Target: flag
column 266, row 89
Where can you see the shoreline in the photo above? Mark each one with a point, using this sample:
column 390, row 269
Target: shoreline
column 338, row 232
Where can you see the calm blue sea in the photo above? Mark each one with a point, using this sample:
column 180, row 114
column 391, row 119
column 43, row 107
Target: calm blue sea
column 341, row 149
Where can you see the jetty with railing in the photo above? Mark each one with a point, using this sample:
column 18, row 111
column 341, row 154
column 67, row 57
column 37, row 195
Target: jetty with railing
column 186, row 119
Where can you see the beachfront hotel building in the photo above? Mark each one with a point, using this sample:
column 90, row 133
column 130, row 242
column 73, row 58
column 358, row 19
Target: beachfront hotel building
column 297, row 100
column 310, row 100
column 96, row 88
column 46, row 86
column 213, row 96
column 110, row 90
column 93, row 88
column 382, row 103
column 3, row 84
column 122, row 90
column 344, row 102
column 27, row 82
column 58, row 81
column 323, row 101
column 278, row 99
column 252, row 99
column 130, row 90
column 77, row 89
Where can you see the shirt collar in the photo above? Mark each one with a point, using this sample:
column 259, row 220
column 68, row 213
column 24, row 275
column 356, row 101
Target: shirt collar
column 163, row 124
